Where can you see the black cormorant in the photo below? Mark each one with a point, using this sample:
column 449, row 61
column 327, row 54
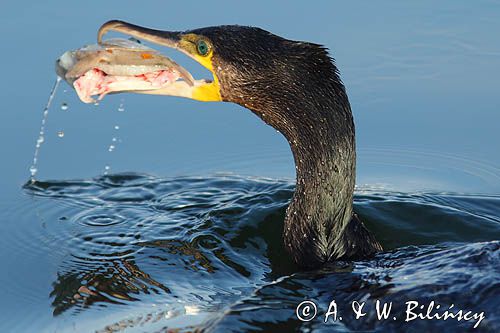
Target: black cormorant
column 294, row 87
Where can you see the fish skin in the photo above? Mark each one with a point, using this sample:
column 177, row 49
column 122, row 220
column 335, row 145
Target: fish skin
column 117, row 57
column 119, row 62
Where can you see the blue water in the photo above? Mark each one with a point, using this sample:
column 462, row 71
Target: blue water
column 185, row 231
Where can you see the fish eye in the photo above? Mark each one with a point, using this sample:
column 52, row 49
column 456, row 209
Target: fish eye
column 202, row 47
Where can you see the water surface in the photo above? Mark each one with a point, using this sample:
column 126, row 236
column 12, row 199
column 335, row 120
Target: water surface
column 145, row 253
column 185, row 230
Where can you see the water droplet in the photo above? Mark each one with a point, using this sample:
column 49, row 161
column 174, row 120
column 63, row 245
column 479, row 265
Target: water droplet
column 113, row 139
column 121, row 107
column 106, row 167
column 33, row 171
column 60, row 134
column 111, row 148
column 96, row 104
column 117, row 127
column 64, row 106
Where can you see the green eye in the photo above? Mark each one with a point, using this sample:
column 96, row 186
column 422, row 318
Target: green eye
column 202, row 47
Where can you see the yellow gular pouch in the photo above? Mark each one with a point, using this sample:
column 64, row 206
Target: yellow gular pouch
column 207, row 92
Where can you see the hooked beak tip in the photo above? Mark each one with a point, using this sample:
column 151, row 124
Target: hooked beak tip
column 110, row 25
column 165, row 38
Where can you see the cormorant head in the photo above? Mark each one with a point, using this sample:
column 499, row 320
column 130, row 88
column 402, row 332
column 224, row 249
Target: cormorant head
column 250, row 66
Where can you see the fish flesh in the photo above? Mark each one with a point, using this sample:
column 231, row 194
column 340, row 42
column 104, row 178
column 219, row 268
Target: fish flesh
column 118, row 65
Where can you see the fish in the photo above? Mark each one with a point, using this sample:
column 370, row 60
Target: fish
column 117, row 65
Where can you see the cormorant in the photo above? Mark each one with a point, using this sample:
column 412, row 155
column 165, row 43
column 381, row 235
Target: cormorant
column 294, row 87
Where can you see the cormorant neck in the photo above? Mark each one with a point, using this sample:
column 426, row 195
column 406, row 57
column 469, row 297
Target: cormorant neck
column 296, row 89
column 321, row 207
column 321, row 137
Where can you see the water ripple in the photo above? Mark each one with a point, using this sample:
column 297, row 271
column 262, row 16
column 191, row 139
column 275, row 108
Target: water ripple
column 208, row 252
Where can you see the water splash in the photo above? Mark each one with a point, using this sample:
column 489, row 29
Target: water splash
column 41, row 136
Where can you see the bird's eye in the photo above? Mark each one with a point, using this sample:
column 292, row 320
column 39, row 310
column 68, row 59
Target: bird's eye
column 202, row 47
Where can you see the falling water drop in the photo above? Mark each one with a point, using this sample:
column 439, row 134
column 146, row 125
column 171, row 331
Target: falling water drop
column 121, row 107
column 64, row 106
column 60, row 134
column 33, row 169
column 112, row 145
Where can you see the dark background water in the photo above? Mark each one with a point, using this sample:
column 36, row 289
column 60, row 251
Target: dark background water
column 190, row 247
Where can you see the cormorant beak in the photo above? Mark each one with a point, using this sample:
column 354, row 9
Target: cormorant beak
column 202, row 90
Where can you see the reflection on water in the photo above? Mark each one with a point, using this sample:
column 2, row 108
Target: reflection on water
column 133, row 252
column 207, row 253
column 110, row 282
